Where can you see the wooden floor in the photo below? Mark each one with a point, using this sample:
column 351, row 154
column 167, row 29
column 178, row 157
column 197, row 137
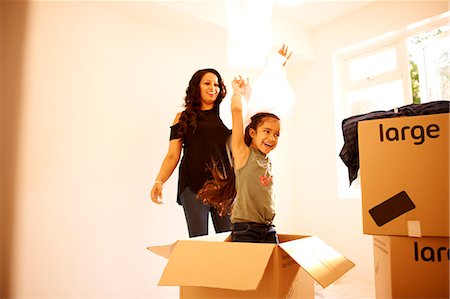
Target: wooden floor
column 345, row 289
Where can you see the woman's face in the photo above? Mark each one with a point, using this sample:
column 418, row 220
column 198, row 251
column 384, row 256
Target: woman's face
column 209, row 90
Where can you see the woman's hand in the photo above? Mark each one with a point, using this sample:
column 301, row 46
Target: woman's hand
column 284, row 52
column 156, row 193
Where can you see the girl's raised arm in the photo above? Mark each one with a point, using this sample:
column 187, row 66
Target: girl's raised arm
column 238, row 147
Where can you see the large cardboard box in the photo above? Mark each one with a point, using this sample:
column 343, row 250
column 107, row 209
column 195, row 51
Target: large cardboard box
column 212, row 267
column 404, row 170
column 408, row 267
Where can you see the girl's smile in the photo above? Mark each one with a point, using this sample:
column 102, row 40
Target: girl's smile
column 265, row 138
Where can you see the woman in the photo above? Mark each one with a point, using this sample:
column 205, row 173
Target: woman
column 203, row 136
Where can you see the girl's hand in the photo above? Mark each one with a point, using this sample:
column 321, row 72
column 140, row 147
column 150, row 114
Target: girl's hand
column 284, row 52
column 241, row 87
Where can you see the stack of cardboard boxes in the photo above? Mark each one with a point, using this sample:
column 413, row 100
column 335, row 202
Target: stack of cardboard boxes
column 404, row 171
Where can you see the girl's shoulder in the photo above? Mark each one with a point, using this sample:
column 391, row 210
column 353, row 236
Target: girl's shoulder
column 242, row 157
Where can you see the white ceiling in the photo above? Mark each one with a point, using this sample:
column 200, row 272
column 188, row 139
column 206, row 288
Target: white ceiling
column 294, row 22
column 316, row 13
column 309, row 13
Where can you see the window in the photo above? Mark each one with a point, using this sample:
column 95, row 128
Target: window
column 373, row 80
column 411, row 66
column 429, row 64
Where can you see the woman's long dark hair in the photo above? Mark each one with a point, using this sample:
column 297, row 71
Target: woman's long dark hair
column 220, row 191
column 192, row 100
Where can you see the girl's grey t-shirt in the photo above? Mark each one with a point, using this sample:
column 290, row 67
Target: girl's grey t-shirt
column 254, row 199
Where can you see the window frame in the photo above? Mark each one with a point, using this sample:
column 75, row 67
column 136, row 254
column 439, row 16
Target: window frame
column 342, row 85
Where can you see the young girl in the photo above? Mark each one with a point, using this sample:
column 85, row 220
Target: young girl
column 247, row 193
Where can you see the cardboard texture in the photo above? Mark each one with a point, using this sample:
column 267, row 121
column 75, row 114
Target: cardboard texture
column 410, row 268
column 210, row 268
column 404, row 170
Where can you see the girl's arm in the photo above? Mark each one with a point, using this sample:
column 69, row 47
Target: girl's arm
column 169, row 164
column 238, row 147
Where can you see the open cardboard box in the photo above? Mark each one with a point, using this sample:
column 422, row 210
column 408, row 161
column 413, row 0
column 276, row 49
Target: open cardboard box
column 214, row 267
column 404, row 165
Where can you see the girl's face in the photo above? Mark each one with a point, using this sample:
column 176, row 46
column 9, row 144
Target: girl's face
column 209, row 90
column 265, row 138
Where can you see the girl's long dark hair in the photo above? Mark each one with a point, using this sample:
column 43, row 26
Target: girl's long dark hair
column 192, row 100
column 220, row 191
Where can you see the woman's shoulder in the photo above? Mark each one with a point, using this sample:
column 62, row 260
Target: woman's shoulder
column 177, row 118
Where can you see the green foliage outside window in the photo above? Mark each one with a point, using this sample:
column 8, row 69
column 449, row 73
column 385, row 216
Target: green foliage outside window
column 415, row 86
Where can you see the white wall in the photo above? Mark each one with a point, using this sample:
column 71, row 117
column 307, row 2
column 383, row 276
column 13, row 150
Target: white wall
column 98, row 90
column 320, row 211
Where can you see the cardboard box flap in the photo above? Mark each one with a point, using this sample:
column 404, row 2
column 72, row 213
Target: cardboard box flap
column 217, row 265
column 218, row 237
column 165, row 250
column 320, row 260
